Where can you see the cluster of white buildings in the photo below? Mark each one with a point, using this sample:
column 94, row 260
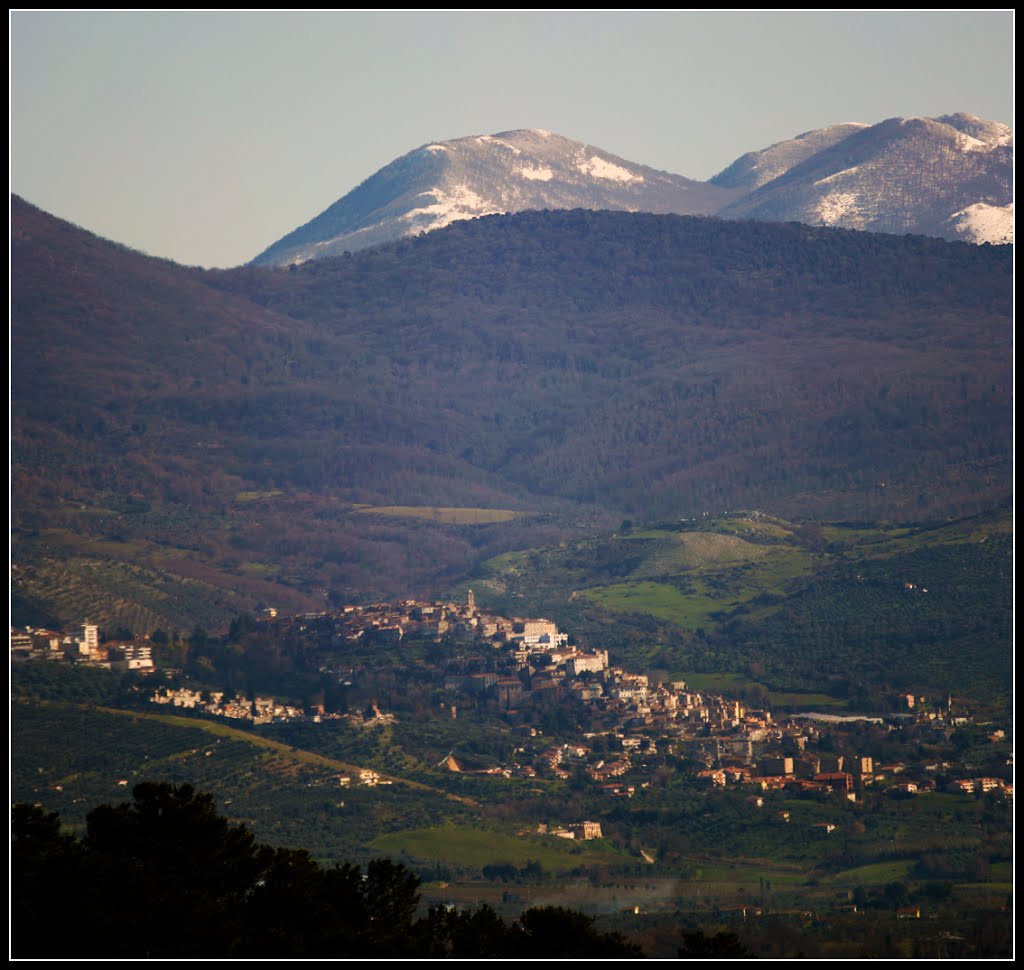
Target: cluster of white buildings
column 394, row 622
column 80, row 645
column 260, row 710
column 980, row 786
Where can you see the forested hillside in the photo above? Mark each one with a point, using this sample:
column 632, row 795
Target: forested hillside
column 578, row 365
column 858, row 611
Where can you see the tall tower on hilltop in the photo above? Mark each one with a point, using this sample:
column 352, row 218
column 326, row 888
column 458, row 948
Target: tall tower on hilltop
column 471, row 602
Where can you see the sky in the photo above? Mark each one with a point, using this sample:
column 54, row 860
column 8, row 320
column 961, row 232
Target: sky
column 204, row 137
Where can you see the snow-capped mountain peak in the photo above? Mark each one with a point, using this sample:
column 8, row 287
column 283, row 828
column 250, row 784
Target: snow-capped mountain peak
column 510, row 171
column 950, row 177
column 758, row 168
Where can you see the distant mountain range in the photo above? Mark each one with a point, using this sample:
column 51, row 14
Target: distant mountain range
column 513, row 171
column 949, row 177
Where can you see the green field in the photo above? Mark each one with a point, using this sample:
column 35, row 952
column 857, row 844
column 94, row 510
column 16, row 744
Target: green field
column 446, row 516
column 480, row 847
column 253, row 496
column 873, row 874
column 759, row 527
column 724, row 683
column 657, row 599
column 710, row 598
column 719, row 683
column 714, row 574
column 700, row 550
column 803, row 700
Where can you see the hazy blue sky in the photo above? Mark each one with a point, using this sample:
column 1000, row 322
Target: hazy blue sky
column 204, row 137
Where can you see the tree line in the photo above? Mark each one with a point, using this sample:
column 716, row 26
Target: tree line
column 166, row 876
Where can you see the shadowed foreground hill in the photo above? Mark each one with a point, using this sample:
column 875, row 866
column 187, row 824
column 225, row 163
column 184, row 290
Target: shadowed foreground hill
column 167, row 877
column 644, row 365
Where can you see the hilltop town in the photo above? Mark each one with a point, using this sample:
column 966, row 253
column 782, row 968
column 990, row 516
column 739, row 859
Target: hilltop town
column 572, row 713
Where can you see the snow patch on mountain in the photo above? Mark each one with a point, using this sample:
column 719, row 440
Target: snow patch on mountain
column 838, row 175
column 991, row 133
column 536, row 173
column 981, row 223
column 836, row 206
column 461, row 203
column 599, row 168
column 755, row 169
column 968, row 144
column 491, row 140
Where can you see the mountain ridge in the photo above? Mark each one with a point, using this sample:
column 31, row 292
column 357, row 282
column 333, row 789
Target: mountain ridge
column 901, row 175
column 948, row 177
column 478, row 175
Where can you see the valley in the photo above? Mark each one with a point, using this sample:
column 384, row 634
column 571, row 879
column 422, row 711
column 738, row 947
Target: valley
column 559, row 427
column 441, row 529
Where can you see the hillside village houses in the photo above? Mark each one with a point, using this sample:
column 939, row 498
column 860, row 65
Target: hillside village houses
column 526, row 662
column 81, row 645
column 526, row 665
